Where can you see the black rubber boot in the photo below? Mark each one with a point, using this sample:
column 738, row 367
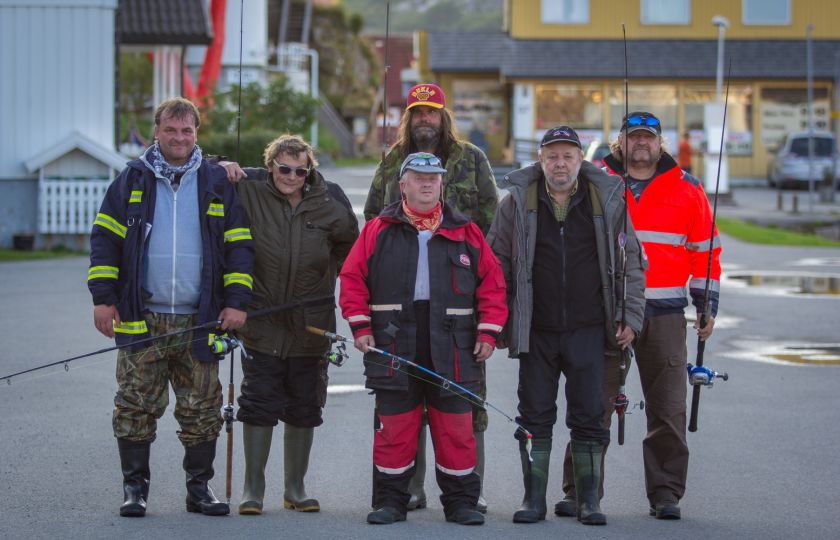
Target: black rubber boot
column 587, row 456
column 198, row 464
column 464, row 515
column 385, row 516
column 535, row 478
column 256, row 443
column 297, row 443
column 567, row 507
column 134, row 460
column 415, row 486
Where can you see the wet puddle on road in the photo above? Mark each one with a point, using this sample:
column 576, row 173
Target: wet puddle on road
column 803, row 354
column 789, row 282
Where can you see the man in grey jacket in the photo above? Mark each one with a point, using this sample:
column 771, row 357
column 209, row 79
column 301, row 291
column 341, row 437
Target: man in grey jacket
column 557, row 236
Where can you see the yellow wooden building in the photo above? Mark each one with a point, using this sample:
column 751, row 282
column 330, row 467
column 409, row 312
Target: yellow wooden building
column 562, row 61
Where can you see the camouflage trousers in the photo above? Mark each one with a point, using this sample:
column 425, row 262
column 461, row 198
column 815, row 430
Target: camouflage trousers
column 143, row 379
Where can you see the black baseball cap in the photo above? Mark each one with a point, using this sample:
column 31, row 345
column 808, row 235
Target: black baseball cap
column 637, row 120
column 561, row 134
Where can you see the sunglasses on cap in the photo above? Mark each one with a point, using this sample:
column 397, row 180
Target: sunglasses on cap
column 300, row 172
column 425, row 160
column 637, row 120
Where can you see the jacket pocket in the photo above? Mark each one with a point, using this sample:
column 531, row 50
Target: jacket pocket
column 465, row 367
column 463, row 277
column 376, row 365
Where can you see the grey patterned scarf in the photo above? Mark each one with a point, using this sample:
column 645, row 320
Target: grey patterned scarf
column 159, row 164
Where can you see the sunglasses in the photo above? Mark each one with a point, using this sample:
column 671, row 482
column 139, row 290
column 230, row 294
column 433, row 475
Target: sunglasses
column 642, row 120
column 427, row 160
column 300, row 172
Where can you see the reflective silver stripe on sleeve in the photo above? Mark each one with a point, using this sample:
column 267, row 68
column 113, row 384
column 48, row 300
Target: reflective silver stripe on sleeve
column 457, row 311
column 489, row 326
column 357, row 318
column 700, row 283
column 662, row 293
column 386, row 307
column 656, row 237
column 703, row 245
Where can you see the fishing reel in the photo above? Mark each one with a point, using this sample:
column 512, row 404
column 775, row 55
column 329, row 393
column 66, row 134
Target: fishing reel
column 221, row 344
column 338, row 354
column 703, row 376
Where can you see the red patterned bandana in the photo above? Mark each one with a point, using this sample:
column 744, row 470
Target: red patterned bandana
column 424, row 221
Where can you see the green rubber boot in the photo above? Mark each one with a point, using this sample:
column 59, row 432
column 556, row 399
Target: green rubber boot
column 587, row 457
column 297, row 442
column 256, row 441
column 535, row 478
column 481, row 505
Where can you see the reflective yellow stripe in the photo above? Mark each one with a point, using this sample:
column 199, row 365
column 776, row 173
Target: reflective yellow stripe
column 106, row 221
column 135, row 196
column 236, row 277
column 130, row 327
column 96, row 272
column 234, row 235
column 216, row 209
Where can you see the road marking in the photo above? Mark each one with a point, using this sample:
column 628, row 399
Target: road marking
column 345, row 388
column 787, row 353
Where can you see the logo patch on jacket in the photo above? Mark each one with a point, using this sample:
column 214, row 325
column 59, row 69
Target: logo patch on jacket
column 465, row 260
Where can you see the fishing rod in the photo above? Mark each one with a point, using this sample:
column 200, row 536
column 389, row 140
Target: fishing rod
column 218, row 343
column 397, row 363
column 227, row 410
column 620, row 401
column 699, row 375
column 385, row 69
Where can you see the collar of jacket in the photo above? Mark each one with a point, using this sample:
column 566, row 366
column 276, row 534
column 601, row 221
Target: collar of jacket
column 208, row 176
column 452, row 218
column 608, row 186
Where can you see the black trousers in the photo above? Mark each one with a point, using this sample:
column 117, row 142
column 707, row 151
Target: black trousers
column 397, row 423
column 579, row 355
column 291, row 390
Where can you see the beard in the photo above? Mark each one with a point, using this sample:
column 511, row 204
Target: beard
column 425, row 136
column 561, row 182
column 642, row 157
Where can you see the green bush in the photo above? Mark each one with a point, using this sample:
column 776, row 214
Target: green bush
column 251, row 146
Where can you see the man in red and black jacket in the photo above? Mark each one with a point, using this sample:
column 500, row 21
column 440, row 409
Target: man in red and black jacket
column 422, row 282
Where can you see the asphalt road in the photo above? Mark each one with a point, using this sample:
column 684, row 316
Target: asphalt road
column 764, row 461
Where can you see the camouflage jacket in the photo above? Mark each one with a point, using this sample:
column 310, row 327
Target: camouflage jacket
column 468, row 184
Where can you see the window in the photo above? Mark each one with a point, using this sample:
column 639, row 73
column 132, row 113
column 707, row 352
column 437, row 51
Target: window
column 565, row 11
column 785, row 110
column 660, row 99
column 666, row 11
column 739, row 141
column 765, row 12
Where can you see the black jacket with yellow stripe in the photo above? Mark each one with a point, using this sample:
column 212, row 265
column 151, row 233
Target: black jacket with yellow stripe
column 118, row 247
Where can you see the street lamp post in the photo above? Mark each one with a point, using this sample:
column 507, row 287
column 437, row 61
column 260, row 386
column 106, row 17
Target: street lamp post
column 809, row 63
column 714, row 157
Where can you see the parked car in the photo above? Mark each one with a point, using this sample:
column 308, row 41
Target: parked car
column 596, row 151
column 790, row 167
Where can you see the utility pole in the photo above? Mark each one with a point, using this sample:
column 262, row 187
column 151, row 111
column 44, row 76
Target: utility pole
column 809, row 62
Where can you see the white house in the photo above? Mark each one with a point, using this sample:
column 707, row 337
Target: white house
column 57, row 115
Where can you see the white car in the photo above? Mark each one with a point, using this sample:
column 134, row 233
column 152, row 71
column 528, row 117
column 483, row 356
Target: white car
column 790, row 166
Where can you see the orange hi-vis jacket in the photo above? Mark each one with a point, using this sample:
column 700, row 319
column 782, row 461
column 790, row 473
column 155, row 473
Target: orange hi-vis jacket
column 673, row 220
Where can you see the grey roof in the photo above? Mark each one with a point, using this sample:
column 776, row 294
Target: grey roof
column 163, row 22
column 604, row 59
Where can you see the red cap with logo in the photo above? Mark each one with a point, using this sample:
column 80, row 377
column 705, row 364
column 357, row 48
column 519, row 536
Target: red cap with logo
column 425, row 94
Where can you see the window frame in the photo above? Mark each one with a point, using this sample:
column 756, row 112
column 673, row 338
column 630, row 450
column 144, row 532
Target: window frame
column 787, row 22
column 686, row 22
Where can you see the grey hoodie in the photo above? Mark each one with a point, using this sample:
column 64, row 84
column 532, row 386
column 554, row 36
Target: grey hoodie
column 513, row 237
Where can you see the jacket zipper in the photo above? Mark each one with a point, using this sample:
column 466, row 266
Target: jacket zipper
column 563, row 274
column 174, row 244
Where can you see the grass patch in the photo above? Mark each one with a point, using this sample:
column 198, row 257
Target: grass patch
column 7, row 255
column 756, row 234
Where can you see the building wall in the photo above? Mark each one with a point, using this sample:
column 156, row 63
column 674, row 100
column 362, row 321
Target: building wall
column 57, row 65
column 606, row 17
column 18, row 209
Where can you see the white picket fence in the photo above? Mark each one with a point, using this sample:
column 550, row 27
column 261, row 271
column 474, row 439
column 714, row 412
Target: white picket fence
column 69, row 206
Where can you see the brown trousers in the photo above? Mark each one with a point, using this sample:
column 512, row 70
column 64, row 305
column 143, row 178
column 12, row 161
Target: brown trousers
column 661, row 356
